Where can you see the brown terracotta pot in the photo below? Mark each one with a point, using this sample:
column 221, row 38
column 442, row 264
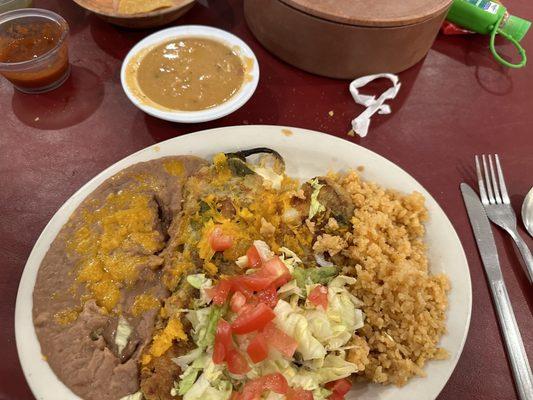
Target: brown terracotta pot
column 347, row 38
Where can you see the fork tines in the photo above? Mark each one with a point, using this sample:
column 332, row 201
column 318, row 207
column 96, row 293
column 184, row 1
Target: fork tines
column 491, row 190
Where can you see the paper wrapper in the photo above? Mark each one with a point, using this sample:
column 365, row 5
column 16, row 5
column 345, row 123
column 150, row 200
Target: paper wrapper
column 373, row 105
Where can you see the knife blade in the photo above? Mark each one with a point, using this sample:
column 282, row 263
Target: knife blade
column 489, row 255
column 483, row 233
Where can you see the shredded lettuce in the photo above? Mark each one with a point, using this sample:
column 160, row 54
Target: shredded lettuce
column 200, row 282
column 335, row 326
column 289, row 254
column 315, row 207
column 190, row 374
column 211, row 384
column 197, row 280
column 334, row 367
column 308, row 377
column 203, row 379
column 289, row 258
column 204, row 322
column 342, row 280
column 242, row 261
column 309, row 276
column 294, row 323
column 289, row 289
column 186, row 381
column 122, row 334
column 184, row 361
column 320, row 260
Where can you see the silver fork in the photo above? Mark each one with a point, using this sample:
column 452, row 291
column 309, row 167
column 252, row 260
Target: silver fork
column 497, row 205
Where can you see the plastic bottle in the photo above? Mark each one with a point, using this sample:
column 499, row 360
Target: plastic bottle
column 489, row 18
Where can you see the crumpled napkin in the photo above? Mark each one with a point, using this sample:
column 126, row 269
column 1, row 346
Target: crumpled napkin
column 361, row 123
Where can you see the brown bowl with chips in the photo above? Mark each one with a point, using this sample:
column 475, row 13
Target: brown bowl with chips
column 138, row 14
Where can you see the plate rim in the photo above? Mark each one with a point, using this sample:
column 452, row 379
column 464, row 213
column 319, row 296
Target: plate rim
column 154, row 13
column 79, row 195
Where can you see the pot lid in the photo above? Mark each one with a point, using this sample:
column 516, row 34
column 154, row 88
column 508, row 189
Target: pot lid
column 371, row 12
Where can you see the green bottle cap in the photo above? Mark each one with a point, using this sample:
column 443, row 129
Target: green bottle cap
column 516, row 27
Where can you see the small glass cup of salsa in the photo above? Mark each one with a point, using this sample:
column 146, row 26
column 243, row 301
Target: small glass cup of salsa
column 33, row 49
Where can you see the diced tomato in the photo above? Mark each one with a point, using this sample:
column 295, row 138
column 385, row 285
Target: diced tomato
column 219, row 293
column 254, row 320
column 236, row 362
column 319, row 296
column 223, row 342
column 258, row 348
column 339, row 387
column 219, row 241
column 219, row 353
column 254, row 260
column 280, row 340
column 276, row 382
column 269, row 296
column 254, row 389
column 238, row 300
column 299, row 394
column 238, row 285
column 277, row 270
column 253, row 282
column 247, row 308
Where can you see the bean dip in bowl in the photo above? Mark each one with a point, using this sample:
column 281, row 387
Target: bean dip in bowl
column 190, row 74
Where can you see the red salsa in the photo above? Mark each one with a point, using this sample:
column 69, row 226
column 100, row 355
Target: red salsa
column 33, row 38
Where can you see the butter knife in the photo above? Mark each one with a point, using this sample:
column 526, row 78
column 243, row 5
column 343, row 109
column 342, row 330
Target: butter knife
column 489, row 255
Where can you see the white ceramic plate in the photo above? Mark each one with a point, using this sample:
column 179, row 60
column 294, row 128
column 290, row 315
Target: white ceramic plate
column 197, row 31
column 307, row 154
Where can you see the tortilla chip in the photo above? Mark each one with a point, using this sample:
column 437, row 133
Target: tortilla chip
column 142, row 6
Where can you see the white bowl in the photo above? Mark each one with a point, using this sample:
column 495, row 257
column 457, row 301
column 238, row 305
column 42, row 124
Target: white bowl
column 198, row 31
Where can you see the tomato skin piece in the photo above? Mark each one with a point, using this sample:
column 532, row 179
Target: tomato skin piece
column 319, row 296
column 340, row 386
column 238, row 300
column 258, row 348
column 277, row 270
column 278, row 339
column 223, row 342
column 220, row 292
column 269, row 296
column 218, row 240
column 254, row 320
column 237, row 364
column 299, row 394
column 254, row 259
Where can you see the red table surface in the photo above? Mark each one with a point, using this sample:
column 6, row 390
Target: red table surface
column 456, row 103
